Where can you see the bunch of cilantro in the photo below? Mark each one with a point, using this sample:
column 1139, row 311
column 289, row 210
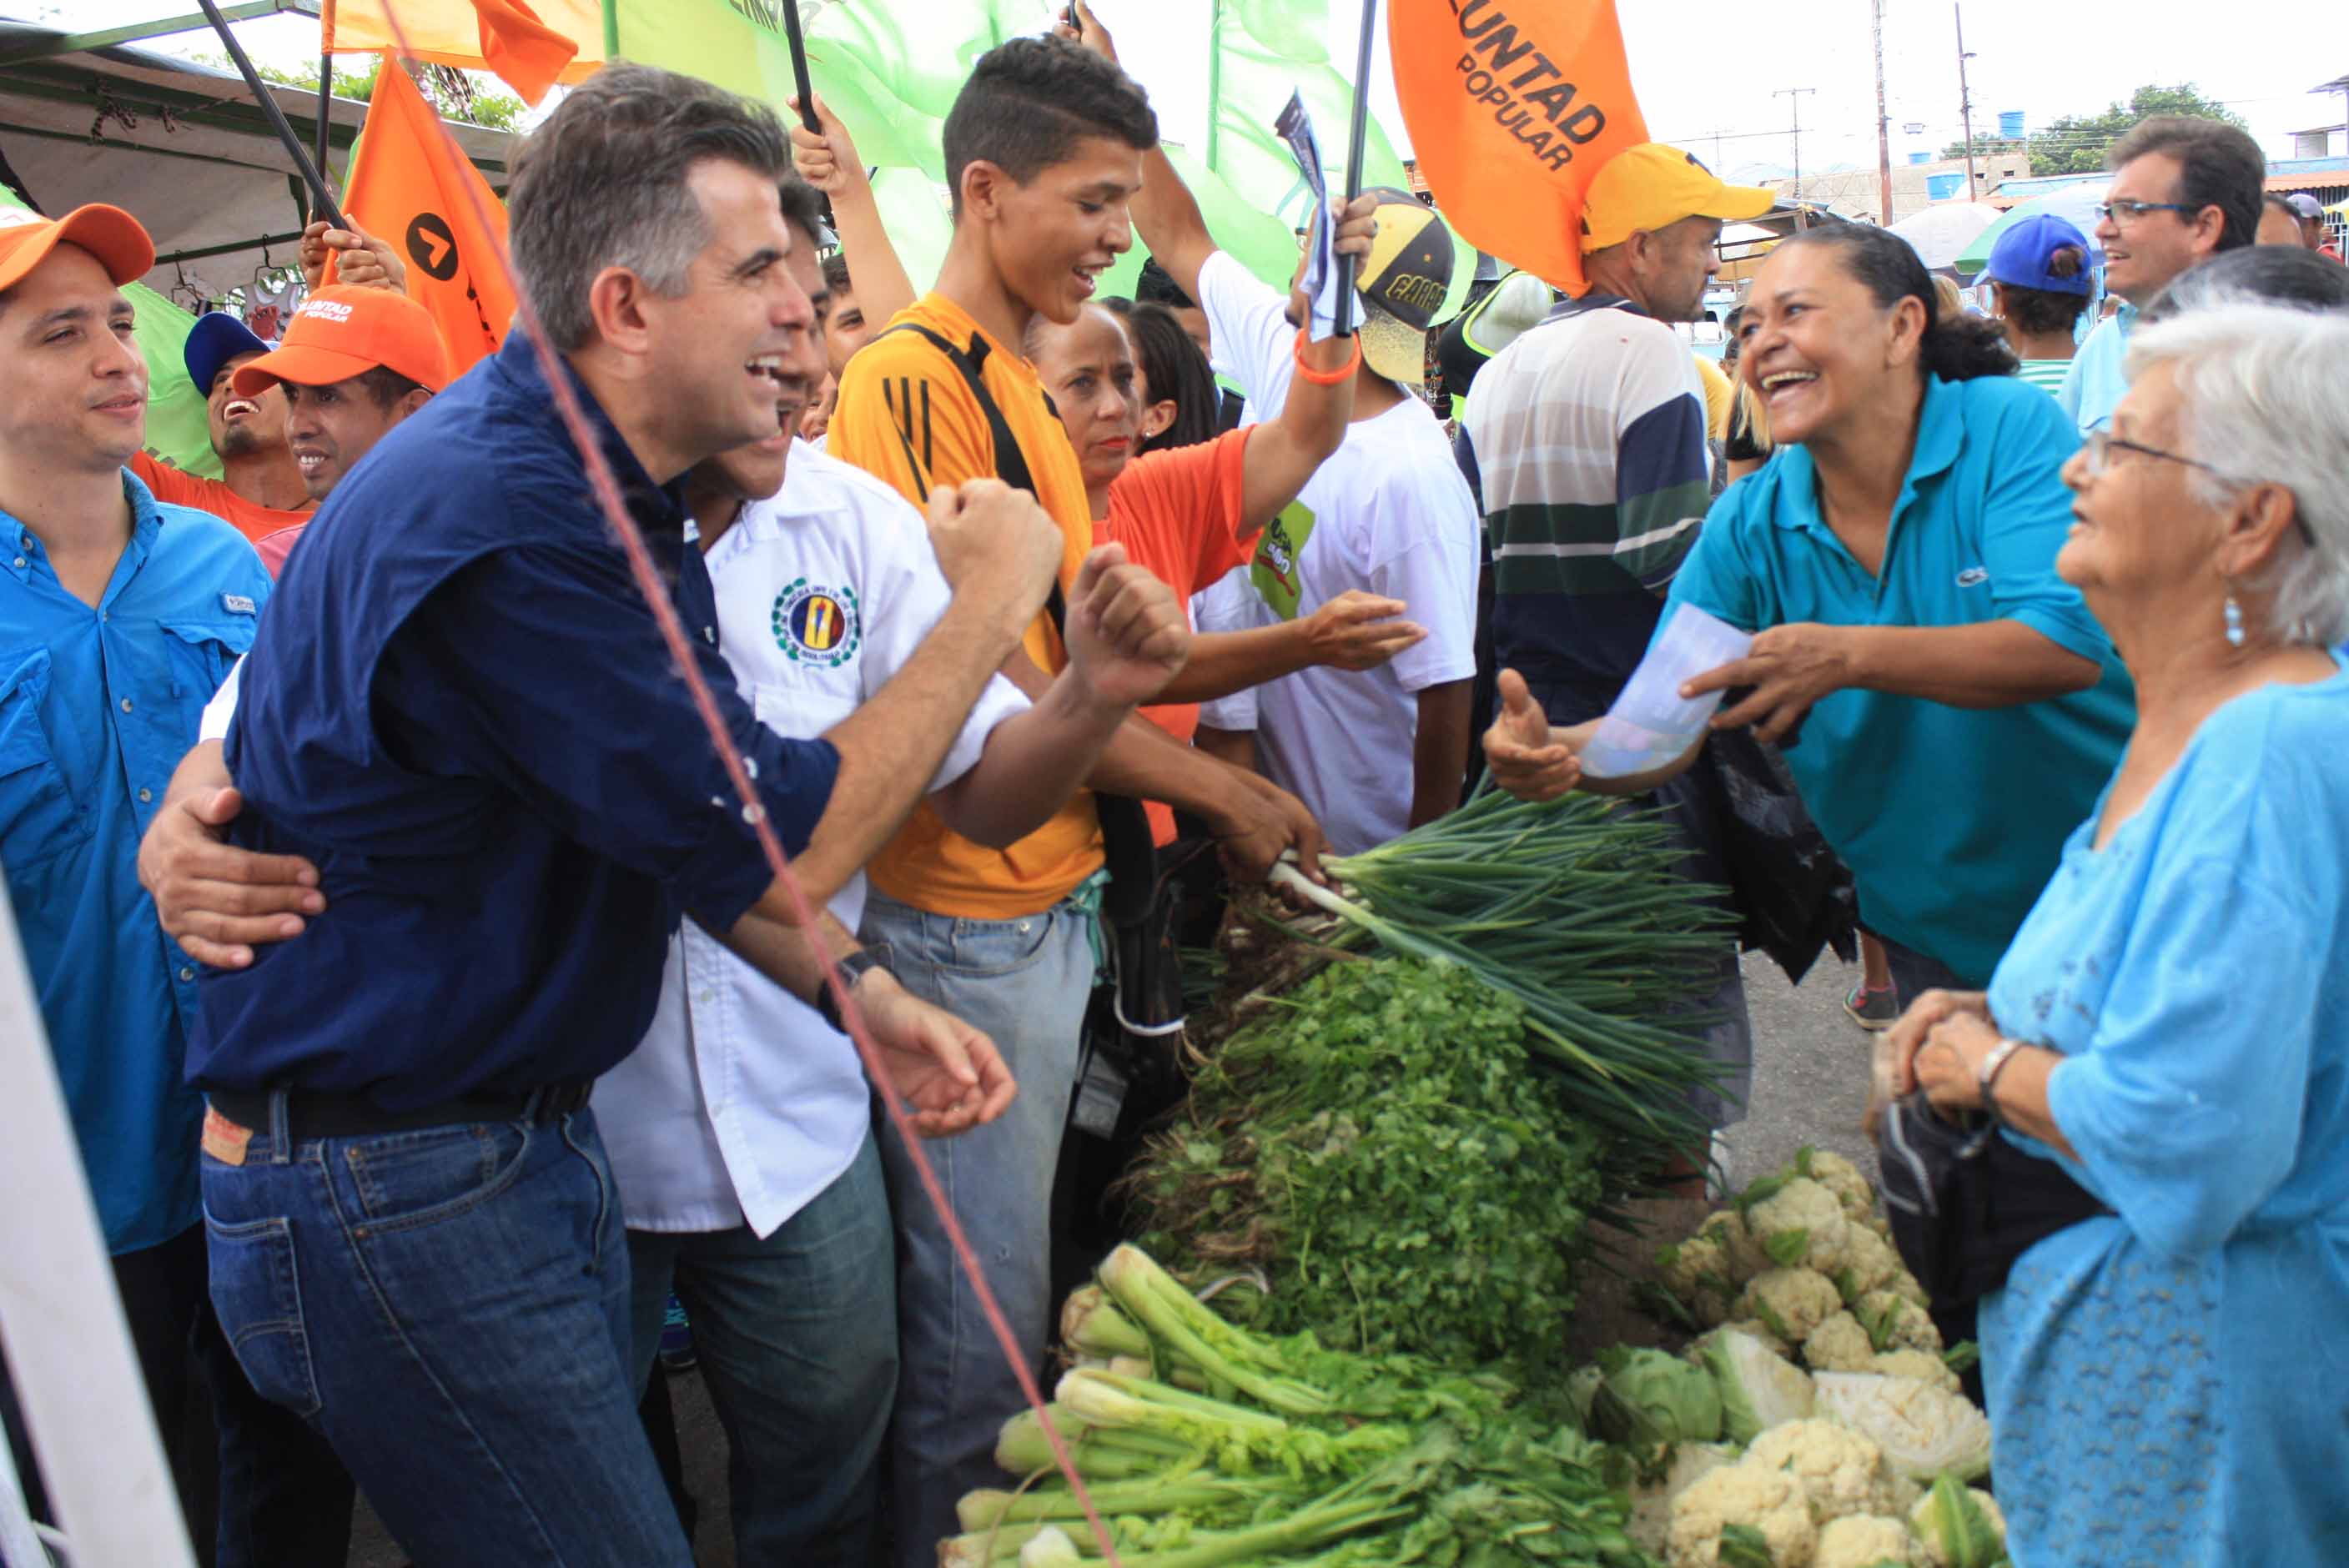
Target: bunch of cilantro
column 1381, row 1150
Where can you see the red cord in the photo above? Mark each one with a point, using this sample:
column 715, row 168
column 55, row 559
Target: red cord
column 648, row 583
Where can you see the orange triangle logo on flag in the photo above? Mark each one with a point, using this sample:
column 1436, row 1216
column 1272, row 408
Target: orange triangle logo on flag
column 408, row 185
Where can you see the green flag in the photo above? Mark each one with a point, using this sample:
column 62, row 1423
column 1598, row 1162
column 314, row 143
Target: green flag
column 177, row 431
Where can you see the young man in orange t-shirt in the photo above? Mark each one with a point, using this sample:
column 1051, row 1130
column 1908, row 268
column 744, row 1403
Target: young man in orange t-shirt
column 1043, row 148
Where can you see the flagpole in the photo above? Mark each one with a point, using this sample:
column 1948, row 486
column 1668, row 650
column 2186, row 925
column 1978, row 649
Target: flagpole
column 269, row 107
column 791, row 9
column 1357, row 134
column 326, row 81
column 611, row 30
column 1215, row 75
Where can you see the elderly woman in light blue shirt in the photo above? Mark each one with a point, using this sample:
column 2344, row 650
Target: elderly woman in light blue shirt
column 2169, row 1385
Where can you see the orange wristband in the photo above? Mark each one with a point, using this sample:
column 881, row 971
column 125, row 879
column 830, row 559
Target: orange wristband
column 1326, row 377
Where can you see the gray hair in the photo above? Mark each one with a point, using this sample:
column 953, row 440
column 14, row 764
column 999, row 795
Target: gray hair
column 2264, row 403
column 602, row 183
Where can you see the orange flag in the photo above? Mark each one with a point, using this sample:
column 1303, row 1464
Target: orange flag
column 408, row 185
column 1512, row 105
column 530, row 46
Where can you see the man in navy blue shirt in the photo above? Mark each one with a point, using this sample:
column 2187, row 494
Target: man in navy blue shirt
column 459, row 712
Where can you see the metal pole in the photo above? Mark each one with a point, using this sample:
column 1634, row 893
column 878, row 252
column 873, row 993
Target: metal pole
column 1883, row 120
column 1357, row 134
column 326, row 102
column 1796, row 95
column 277, row 121
column 1965, row 102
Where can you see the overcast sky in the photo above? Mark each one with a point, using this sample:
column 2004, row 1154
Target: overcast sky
column 1710, row 68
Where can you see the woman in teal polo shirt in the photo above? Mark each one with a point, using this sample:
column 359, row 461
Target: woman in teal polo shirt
column 1949, row 708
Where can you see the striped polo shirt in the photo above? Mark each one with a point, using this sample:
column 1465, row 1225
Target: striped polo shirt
column 1588, row 437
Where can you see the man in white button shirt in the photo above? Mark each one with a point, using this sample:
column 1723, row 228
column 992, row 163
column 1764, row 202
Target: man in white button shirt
column 740, row 1132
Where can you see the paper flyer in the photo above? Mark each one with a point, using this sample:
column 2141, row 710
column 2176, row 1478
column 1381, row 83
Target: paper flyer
column 1323, row 276
column 1651, row 723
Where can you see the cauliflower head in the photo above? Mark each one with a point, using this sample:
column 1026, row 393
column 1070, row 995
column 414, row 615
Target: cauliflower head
column 1792, row 1302
column 1651, row 1500
column 1866, row 1541
column 1763, row 1331
column 1801, row 1224
column 1845, row 1180
column 1868, row 1263
column 1841, row 1471
column 1896, row 1323
column 1772, row 1503
column 1921, row 1365
column 1838, row 1345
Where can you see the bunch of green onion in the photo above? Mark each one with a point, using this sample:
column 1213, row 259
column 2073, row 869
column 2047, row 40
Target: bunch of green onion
column 1576, row 908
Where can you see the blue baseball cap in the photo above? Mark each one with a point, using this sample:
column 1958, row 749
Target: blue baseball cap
column 2021, row 256
column 216, row 339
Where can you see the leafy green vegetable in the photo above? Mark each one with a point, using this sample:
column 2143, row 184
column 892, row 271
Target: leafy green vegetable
column 1759, row 1388
column 1787, row 1249
column 1960, row 1526
column 1742, row 1546
column 1379, row 1148
column 1652, row 1397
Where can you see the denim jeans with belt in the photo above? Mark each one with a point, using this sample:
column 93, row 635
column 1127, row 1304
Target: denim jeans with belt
column 797, row 1336
column 449, row 1306
column 1024, row 983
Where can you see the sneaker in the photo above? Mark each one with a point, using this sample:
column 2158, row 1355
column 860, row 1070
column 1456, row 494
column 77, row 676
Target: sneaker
column 1873, row 1010
column 676, row 1337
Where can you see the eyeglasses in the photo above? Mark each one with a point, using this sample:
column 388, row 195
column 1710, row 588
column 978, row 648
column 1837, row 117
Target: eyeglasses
column 2131, row 211
column 2101, row 445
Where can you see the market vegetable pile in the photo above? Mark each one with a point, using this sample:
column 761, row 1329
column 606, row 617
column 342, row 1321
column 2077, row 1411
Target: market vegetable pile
column 1577, row 909
column 1381, row 1149
column 1205, row 1444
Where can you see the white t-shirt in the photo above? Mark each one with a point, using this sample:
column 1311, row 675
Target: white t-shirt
column 1388, row 513
column 741, row 1105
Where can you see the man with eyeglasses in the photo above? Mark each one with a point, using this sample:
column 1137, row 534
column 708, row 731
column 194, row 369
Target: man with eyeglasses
column 2183, row 191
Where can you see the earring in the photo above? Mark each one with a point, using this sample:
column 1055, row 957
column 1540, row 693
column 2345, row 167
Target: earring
column 2234, row 621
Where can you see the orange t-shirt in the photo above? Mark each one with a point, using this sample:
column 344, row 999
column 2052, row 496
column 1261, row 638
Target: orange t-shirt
column 180, row 488
column 906, row 416
column 1177, row 512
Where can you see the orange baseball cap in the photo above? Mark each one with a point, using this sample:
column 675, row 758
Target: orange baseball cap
column 345, row 331
column 109, row 233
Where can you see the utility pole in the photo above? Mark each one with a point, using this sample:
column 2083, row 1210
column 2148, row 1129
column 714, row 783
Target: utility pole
column 1966, row 103
column 1883, row 120
column 1796, row 94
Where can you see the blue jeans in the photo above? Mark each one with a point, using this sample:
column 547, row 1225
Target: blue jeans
column 797, row 1335
column 449, row 1307
column 1025, row 983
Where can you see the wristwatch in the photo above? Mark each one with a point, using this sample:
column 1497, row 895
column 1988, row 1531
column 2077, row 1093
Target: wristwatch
column 853, row 968
column 1986, row 1076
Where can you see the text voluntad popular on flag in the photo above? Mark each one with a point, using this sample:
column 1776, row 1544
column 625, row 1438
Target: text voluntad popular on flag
column 1512, row 106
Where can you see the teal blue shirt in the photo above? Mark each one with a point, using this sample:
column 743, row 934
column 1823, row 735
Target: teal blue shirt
column 2092, row 387
column 1950, row 818
column 96, row 708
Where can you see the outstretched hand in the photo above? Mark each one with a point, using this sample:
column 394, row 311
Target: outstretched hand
column 949, row 1076
column 1526, row 759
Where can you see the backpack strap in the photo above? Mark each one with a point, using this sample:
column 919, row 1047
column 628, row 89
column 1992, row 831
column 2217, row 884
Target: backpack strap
column 1127, row 843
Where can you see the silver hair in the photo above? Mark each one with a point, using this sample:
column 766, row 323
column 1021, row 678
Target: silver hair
column 602, row 183
column 2264, row 403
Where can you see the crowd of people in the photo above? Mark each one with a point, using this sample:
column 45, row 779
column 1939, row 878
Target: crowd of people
column 431, row 1017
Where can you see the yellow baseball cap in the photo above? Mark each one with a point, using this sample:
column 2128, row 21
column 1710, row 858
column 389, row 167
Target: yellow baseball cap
column 1651, row 187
